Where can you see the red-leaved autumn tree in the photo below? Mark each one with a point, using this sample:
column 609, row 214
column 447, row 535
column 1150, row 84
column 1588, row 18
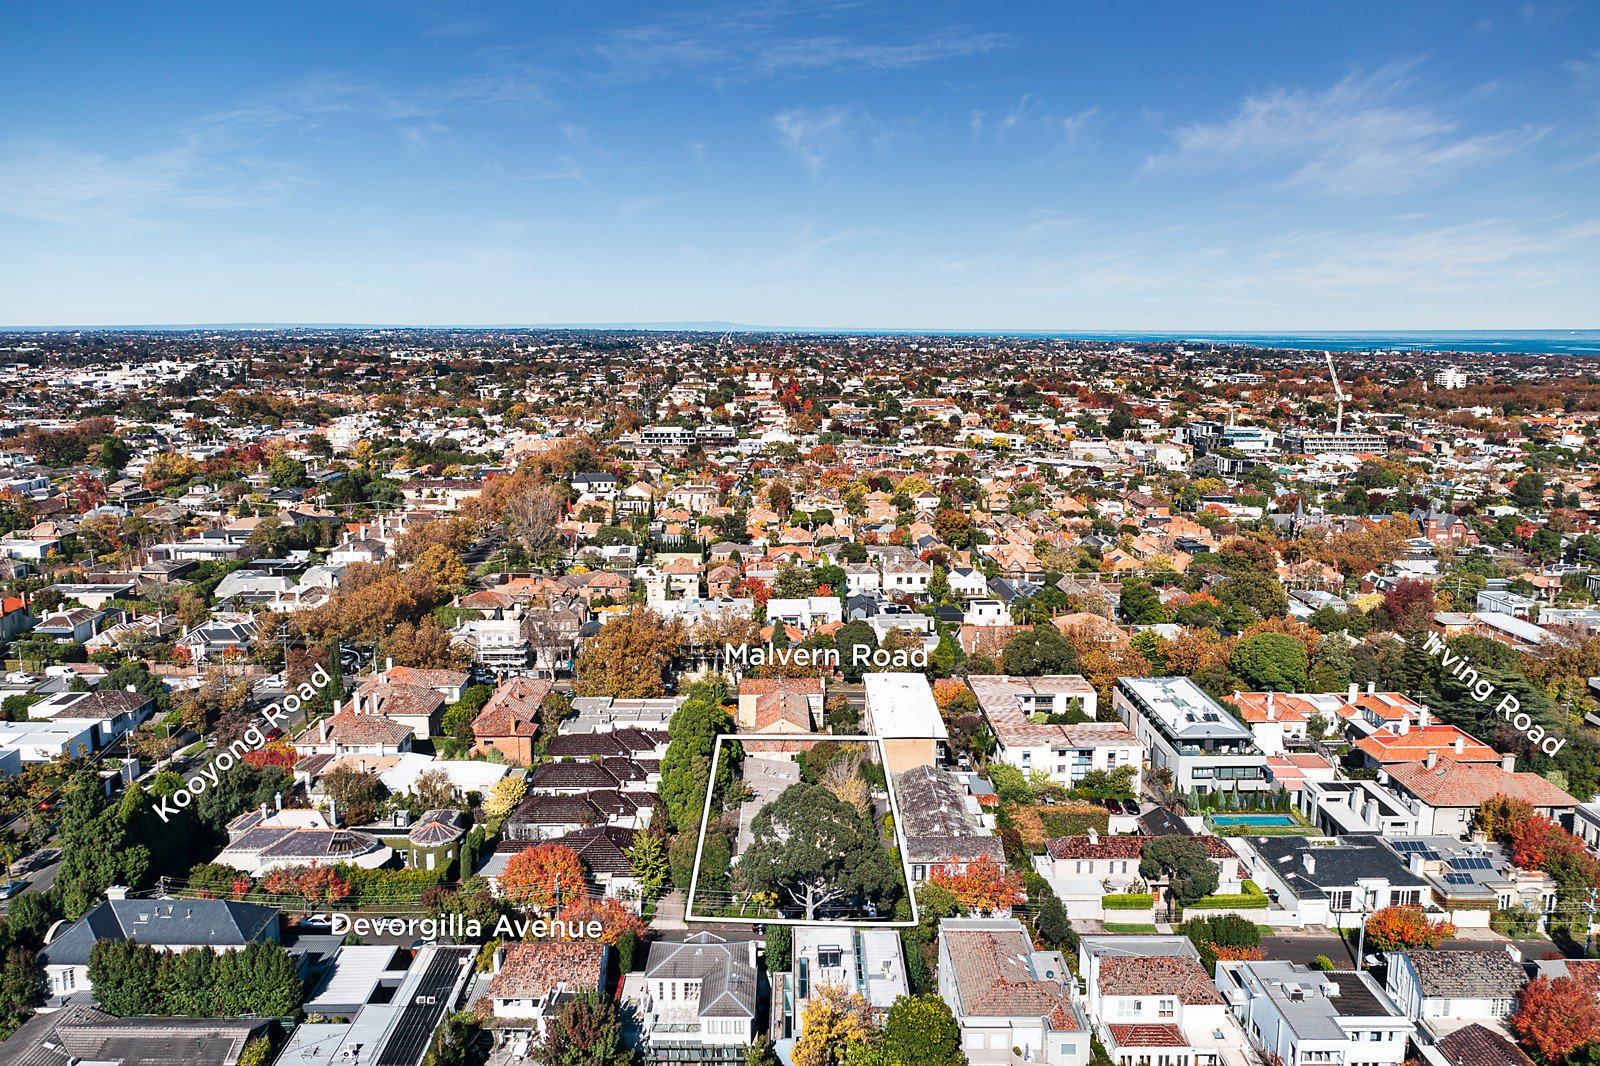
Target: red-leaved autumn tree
column 542, row 876
column 319, row 885
column 1556, row 1019
column 616, row 921
column 1406, row 926
column 984, row 885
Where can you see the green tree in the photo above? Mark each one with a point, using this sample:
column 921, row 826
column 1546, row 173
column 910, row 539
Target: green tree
column 921, row 1031
column 649, row 862
column 1183, row 863
column 1141, row 605
column 287, row 473
column 1275, row 662
column 1214, row 931
column 1053, row 925
column 584, row 1032
column 1527, row 492
column 1114, row 784
column 686, row 767
column 30, row 916
column 22, row 987
column 760, row 1053
column 95, row 854
column 1262, row 593
column 123, row 975
column 1038, row 651
column 813, row 849
column 850, row 636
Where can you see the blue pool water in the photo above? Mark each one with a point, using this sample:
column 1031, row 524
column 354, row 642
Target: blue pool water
column 1251, row 819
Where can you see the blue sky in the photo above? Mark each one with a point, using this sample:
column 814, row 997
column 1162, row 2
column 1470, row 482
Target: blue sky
column 1043, row 165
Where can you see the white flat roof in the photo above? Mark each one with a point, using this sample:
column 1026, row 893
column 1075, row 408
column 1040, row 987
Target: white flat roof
column 902, row 705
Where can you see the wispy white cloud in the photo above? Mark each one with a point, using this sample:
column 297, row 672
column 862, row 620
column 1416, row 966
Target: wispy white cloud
column 1044, row 222
column 1030, row 113
column 767, row 40
column 52, row 182
column 634, row 206
column 815, row 134
column 1356, row 138
column 821, row 53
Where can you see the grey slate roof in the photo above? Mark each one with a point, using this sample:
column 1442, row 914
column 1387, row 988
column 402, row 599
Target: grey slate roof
column 723, row 968
column 79, row 1033
column 177, row 923
column 1468, row 974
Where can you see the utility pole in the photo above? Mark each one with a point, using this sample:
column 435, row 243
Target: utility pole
column 1361, row 938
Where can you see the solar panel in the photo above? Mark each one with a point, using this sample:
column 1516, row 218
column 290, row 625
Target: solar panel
column 1410, row 845
column 1472, row 864
column 408, row 1041
column 1458, row 879
column 1430, row 855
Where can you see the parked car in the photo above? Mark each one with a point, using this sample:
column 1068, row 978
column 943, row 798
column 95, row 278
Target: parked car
column 11, row 888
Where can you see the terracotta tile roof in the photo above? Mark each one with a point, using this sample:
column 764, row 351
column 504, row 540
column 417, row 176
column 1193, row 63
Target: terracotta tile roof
column 996, row 981
column 1476, row 1045
column 355, row 730
column 1413, row 746
column 396, row 698
column 535, row 969
column 1286, row 707
column 411, row 675
column 1148, row 1035
column 1390, row 706
column 1158, row 975
column 513, row 710
column 1123, row 847
column 1455, row 784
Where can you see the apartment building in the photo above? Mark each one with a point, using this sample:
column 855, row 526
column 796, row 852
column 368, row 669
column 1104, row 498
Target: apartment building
column 1302, row 1017
column 1019, row 710
column 1190, row 735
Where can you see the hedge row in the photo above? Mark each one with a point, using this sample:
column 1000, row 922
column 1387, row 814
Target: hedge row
column 1251, row 899
column 1129, row 901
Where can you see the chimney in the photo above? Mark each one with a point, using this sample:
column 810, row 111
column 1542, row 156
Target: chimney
column 1432, row 760
column 277, row 798
column 117, row 892
column 1309, row 861
column 1461, row 743
column 1372, row 687
column 388, row 663
column 1422, row 717
column 1508, row 762
column 1272, row 711
column 263, row 810
column 1355, row 690
column 1405, row 724
column 1094, row 836
column 324, row 731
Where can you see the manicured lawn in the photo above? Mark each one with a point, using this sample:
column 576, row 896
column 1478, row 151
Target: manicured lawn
column 1131, row 927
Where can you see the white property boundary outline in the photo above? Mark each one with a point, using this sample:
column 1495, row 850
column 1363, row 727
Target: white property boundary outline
column 894, row 809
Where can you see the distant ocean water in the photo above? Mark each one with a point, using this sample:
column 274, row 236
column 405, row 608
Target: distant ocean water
column 1584, row 342
column 1505, row 342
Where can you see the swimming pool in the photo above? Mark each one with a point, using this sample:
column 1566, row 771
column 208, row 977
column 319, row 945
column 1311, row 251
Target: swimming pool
column 1252, row 819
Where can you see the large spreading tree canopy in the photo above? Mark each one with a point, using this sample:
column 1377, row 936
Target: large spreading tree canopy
column 813, row 849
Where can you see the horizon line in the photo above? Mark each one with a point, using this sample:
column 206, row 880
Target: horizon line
column 713, row 325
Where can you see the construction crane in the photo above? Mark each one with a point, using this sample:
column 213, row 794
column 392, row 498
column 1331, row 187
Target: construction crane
column 1339, row 395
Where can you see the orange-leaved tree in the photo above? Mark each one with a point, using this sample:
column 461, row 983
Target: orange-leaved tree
column 1406, row 926
column 982, row 885
column 543, row 875
column 1555, row 1019
column 616, row 921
